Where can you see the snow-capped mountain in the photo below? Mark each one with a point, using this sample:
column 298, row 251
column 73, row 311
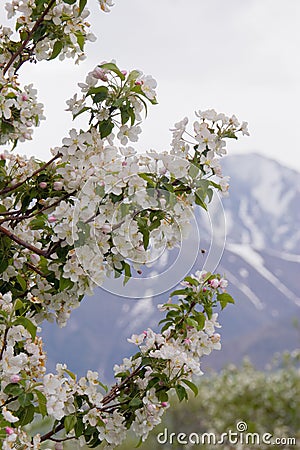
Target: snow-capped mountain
column 261, row 261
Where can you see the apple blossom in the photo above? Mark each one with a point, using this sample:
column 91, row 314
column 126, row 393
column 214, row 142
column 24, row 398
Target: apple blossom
column 97, row 208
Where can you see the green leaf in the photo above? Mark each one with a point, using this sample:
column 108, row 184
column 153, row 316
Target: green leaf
column 3, row 265
column 70, row 2
column 25, row 399
column 200, row 318
column 162, row 396
column 166, row 326
column 26, row 415
column 181, row 392
column 192, row 386
column 105, row 128
column 38, row 223
column 139, row 443
column 146, row 237
column 80, row 40
column 13, row 389
column 21, row 282
column 27, row 324
column 3, row 314
column 65, row 283
column 57, row 48
column 135, row 402
column 71, row 374
column 125, row 116
column 80, row 112
column 192, row 281
column 127, row 271
column 69, row 422
column 42, row 401
column 82, row 4
column 229, row 134
column 179, row 292
column 193, row 171
column 79, row 428
column 224, row 299
column 191, row 322
column 113, row 68
column 100, row 93
column 18, row 304
column 148, row 178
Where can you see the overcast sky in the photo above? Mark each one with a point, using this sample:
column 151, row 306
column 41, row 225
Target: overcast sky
column 239, row 57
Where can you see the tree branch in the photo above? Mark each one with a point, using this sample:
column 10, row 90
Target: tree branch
column 29, row 36
column 48, row 435
column 20, row 241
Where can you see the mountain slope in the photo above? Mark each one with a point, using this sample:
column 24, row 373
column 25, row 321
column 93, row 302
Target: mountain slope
column 261, row 261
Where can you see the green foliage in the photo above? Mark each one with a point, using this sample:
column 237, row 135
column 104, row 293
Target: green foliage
column 269, row 402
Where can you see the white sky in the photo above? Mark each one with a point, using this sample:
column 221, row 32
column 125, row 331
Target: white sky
column 238, row 57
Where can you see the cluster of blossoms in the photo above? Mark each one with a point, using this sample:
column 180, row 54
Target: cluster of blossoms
column 84, row 408
column 96, row 209
column 63, row 31
column 19, row 111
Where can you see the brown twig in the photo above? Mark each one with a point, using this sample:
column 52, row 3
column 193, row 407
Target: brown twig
column 50, row 433
column 115, row 389
column 20, row 241
column 35, row 269
column 4, row 342
column 29, row 36
column 31, row 214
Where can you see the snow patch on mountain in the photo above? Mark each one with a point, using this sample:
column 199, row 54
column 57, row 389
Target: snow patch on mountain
column 254, row 259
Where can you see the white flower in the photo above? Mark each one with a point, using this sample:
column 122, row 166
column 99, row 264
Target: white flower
column 148, row 85
column 126, row 133
column 5, row 107
column 8, row 415
column 137, row 339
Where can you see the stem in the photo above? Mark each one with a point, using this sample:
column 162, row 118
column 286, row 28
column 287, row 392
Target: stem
column 35, row 269
column 4, row 342
column 29, row 36
column 52, row 432
column 31, row 214
column 19, row 241
column 114, row 391
column 15, row 186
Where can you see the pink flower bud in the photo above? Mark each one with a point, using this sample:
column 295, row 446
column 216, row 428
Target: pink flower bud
column 138, row 83
column 214, row 283
column 124, row 163
column 57, row 185
column 99, row 74
column 164, row 404
column 2, row 156
column 124, row 72
column 59, row 446
column 52, row 219
column 204, row 289
column 43, row 185
column 35, row 259
column 24, row 97
column 15, row 378
column 106, row 228
column 223, row 283
column 9, row 430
